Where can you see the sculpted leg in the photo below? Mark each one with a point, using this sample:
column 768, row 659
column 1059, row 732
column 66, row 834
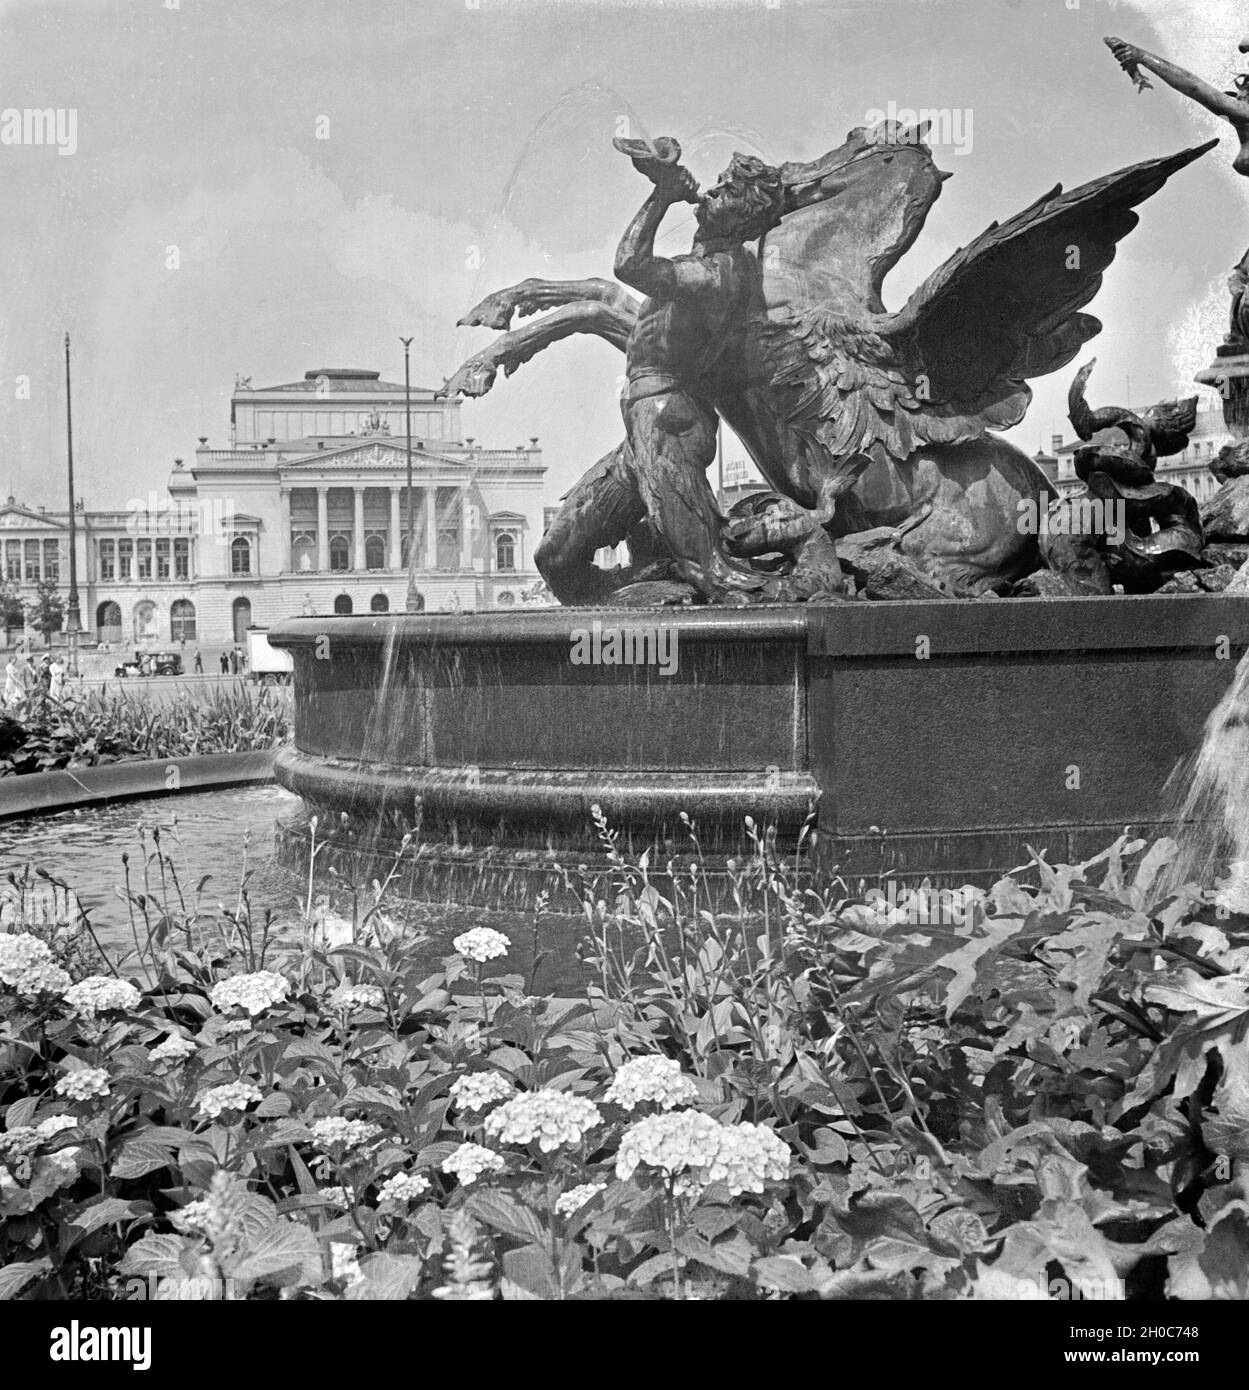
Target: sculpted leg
column 601, row 510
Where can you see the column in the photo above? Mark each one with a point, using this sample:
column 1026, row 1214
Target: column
column 357, row 531
column 431, row 528
column 394, row 553
column 466, row 532
column 284, row 525
column 323, row 528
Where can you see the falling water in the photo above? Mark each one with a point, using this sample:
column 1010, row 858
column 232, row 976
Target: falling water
column 1212, row 825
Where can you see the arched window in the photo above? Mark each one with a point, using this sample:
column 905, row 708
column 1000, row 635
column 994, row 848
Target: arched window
column 144, row 622
column 507, row 599
column 108, row 622
column 342, row 604
column 240, row 555
column 182, row 620
column 448, row 557
column 241, row 610
column 303, row 552
column 505, row 551
column 379, row 603
column 340, row 553
column 375, row 552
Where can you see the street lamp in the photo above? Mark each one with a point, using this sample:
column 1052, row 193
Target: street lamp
column 412, row 602
column 73, row 619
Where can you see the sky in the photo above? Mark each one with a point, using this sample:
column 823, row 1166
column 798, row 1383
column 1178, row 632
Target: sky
column 269, row 186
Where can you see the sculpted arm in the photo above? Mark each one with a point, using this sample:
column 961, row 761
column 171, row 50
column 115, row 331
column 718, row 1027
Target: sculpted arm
column 1132, row 59
column 638, row 265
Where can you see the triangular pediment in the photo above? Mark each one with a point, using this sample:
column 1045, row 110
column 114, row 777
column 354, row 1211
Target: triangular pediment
column 13, row 514
column 374, row 455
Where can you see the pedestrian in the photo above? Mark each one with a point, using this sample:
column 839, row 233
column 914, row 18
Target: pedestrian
column 225, row 664
column 199, row 663
column 56, row 679
column 234, row 660
column 43, row 676
column 12, row 681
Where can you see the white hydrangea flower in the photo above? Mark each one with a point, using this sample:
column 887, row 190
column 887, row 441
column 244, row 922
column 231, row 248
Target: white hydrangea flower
column 233, row 1026
column 26, row 966
column 192, row 1218
column 19, row 1141
column 360, row 997
column 552, row 1118
column 234, row 1095
column 255, row 992
column 698, row 1150
column 567, row 1203
column 44, row 977
column 656, row 1079
column 470, row 1161
column 482, row 944
column 477, row 1090
column 54, row 1125
column 337, row 1195
column 98, row 993
column 403, row 1188
column 84, row 1083
column 350, row 1134
column 175, row 1048
column 344, row 1262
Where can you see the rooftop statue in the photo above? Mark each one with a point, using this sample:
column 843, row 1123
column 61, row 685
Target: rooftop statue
column 861, row 419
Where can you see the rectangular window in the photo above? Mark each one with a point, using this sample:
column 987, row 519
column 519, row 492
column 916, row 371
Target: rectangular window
column 162, row 558
column 144, row 553
column 13, row 560
column 181, row 558
column 108, row 560
column 51, row 560
column 32, row 560
column 125, row 558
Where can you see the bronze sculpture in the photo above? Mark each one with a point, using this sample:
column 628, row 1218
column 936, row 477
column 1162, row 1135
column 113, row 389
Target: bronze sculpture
column 864, row 418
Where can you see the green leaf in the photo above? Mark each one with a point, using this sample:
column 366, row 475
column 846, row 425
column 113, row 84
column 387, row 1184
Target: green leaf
column 506, row 1214
column 21, row 1112
column 530, row 1269
column 15, row 1277
column 102, row 1211
column 284, row 1246
column 386, row 1278
column 141, row 1156
column 156, row 1254
column 784, row 1273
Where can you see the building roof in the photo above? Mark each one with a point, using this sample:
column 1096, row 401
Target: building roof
column 343, row 381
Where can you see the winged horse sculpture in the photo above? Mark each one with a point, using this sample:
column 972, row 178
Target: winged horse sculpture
column 861, row 417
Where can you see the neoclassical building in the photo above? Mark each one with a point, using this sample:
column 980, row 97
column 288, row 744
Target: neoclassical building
column 306, row 510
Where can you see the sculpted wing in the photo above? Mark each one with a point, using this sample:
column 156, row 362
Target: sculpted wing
column 955, row 360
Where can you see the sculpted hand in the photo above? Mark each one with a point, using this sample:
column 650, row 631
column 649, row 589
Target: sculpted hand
column 1129, row 58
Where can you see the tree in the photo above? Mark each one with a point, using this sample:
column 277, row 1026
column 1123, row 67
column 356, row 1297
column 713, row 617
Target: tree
column 12, row 613
column 47, row 612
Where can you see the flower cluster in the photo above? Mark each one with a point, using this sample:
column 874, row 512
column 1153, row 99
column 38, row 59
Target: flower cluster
column 175, row 1048
column 234, row 1026
column 97, row 993
column 700, row 1150
column 337, row 1195
column 255, row 992
column 350, row 1134
column 656, row 1079
column 234, row 1095
column 470, row 1161
column 476, row 1090
column 403, row 1188
column 84, row 1083
column 552, row 1118
column 361, row 997
column 482, row 944
column 18, row 1142
column 56, row 1124
column 26, row 965
column 567, row 1203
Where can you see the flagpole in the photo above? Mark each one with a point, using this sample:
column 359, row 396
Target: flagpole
column 73, row 619
column 410, row 603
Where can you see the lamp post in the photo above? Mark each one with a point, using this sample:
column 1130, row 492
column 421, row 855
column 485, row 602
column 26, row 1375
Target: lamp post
column 411, row 603
column 73, row 619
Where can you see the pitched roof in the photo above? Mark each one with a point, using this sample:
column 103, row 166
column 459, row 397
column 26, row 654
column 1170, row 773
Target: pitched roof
column 342, row 381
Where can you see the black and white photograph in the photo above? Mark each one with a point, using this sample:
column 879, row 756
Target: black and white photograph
column 625, row 630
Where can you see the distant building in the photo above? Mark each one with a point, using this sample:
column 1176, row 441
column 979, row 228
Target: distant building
column 305, row 511
column 1189, row 470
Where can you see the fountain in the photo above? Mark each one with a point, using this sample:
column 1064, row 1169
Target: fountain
column 817, row 658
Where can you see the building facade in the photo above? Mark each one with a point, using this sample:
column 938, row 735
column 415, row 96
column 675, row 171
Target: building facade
column 306, row 511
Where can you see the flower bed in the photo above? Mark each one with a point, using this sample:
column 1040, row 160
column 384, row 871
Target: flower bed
column 106, row 726
column 1014, row 1094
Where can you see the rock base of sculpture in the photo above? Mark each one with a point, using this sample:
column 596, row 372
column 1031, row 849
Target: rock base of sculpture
column 936, row 739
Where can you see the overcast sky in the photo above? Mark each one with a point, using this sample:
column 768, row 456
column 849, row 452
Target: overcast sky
column 470, row 147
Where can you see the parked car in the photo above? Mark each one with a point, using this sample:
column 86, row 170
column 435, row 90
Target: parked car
column 151, row 664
